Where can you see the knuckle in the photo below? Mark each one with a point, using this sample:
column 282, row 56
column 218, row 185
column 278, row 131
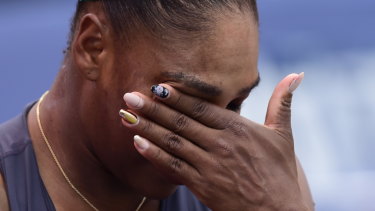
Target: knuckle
column 172, row 142
column 216, row 163
column 286, row 102
column 284, row 116
column 238, row 128
column 224, row 149
column 146, row 126
column 175, row 165
column 157, row 154
column 180, row 122
column 199, row 109
column 153, row 109
column 177, row 101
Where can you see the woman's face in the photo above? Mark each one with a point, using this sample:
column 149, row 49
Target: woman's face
column 221, row 69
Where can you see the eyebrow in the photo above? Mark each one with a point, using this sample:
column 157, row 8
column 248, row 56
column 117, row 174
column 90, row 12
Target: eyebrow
column 201, row 86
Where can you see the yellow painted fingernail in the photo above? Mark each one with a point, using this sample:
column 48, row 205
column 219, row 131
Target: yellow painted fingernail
column 128, row 117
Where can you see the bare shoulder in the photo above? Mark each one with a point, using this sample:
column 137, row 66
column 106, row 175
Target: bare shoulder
column 4, row 205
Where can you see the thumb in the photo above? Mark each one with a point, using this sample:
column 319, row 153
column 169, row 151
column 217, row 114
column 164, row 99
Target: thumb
column 279, row 107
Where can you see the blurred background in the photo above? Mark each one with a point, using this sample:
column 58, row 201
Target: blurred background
column 333, row 42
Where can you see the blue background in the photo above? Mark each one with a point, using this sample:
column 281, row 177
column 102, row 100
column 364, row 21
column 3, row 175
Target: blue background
column 333, row 42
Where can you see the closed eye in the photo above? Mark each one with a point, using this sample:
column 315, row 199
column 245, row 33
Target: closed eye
column 235, row 105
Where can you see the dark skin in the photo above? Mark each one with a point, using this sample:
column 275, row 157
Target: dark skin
column 96, row 148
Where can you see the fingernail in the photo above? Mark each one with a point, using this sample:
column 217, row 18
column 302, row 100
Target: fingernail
column 128, row 117
column 133, row 101
column 296, row 82
column 141, row 143
column 160, row 91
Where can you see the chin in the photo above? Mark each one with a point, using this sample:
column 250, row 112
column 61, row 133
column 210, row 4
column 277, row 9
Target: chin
column 162, row 193
column 137, row 174
column 147, row 181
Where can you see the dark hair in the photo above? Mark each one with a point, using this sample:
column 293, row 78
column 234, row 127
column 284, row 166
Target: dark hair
column 159, row 16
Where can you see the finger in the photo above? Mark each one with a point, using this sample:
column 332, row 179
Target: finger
column 174, row 168
column 279, row 107
column 165, row 139
column 169, row 118
column 206, row 113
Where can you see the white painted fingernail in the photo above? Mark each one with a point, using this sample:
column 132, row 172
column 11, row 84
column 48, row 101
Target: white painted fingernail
column 133, row 101
column 141, row 143
column 296, row 82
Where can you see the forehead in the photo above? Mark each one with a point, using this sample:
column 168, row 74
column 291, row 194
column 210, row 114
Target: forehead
column 226, row 56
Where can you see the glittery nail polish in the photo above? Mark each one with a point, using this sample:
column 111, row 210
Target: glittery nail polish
column 128, row 117
column 160, row 91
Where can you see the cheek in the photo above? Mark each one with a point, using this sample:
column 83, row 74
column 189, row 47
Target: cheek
column 131, row 78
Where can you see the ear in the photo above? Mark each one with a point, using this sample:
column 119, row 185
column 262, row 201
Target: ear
column 88, row 47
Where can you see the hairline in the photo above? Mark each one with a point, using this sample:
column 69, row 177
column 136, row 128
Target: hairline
column 126, row 35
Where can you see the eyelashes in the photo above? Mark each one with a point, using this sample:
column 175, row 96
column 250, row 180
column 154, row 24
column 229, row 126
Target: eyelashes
column 234, row 106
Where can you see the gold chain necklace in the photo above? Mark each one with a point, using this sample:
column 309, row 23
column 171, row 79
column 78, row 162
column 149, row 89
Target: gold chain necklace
column 59, row 165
